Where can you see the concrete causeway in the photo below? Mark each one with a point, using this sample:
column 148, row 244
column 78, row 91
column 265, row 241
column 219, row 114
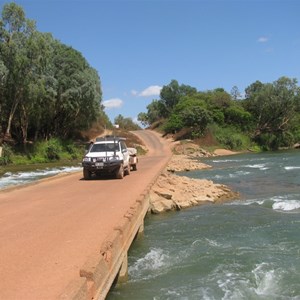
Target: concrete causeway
column 67, row 238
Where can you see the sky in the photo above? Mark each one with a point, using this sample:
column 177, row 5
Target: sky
column 138, row 46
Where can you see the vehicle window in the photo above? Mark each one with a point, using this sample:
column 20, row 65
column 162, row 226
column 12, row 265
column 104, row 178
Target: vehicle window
column 123, row 146
column 110, row 147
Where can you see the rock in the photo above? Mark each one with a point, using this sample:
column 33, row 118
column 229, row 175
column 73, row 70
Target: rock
column 296, row 146
column 185, row 163
column 173, row 192
column 188, row 192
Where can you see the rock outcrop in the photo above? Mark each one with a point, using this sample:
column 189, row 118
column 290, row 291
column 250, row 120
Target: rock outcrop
column 183, row 162
column 173, row 192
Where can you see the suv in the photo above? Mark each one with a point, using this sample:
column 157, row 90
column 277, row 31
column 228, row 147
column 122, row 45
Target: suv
column 108, row 155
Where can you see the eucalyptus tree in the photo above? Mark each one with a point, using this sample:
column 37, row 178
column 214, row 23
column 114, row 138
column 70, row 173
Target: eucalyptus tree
column 273, row 106
column 33, row 107
column 15, row 30
column 78, row 98
column 48, row 88
column 3, row 76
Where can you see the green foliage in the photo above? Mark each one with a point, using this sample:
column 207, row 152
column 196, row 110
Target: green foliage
column 7, row 153
column 49, row 89
column 171, row 94
column 231, row 139
column 274, row 107
column 156, row 111
column 269, row 117
column 270, row 141
column 218, row 116
column 53, row 149
column 237, row 116
column 143, row 118
column 48, row 151
column 173, row 124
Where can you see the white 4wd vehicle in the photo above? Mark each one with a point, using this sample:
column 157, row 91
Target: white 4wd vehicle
column 109, row 155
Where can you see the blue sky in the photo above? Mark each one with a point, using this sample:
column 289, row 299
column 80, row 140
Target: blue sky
column 139, row 46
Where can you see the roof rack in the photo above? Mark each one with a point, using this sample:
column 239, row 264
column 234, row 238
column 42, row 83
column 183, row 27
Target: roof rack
column 110, row 138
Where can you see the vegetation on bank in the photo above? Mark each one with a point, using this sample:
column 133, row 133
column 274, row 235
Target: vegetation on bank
column 47, row 89
column 51, row 150
column 49, row 94
column 266, row 118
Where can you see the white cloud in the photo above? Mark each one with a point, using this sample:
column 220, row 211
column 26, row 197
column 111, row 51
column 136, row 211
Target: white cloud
column 153, row 90
column 263, row 39
column 113, row 103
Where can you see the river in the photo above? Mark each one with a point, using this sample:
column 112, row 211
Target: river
column 20, row 175
column 245, row 249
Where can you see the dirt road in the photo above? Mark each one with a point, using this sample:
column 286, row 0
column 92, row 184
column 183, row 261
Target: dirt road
column 48, row 230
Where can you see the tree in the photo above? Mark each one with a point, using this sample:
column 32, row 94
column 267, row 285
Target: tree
column 253, row 89
column 218, row 98
column 171, row 94
column 143, row 118
column 156, row 111
column 3, row 76
column 273, row 106
column 14, row 34
column 190, row 112
column 235, row 93
column 237, row 116
column 48, row 88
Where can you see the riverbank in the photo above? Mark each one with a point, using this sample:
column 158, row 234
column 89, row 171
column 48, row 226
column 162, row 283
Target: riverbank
column 174, row 192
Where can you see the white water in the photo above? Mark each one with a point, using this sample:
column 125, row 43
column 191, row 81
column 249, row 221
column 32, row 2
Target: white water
column 19, row 178
column 244, row 250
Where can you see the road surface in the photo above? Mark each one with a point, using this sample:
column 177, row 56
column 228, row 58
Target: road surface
column 49, row 229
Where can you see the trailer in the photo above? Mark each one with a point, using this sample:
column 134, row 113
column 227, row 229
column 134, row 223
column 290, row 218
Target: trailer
column 133, row 160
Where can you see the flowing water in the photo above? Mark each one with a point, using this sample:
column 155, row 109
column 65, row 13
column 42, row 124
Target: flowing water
column 20, row 175
column 245, row 249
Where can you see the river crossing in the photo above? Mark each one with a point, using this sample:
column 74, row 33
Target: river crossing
column 245, row 249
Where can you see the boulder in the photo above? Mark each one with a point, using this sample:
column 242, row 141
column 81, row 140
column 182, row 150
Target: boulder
column 173, row 192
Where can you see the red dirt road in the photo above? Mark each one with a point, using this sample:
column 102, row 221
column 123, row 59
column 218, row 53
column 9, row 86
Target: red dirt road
column 48, row 230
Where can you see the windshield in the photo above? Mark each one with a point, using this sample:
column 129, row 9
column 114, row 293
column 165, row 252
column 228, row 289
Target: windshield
column 110, row 147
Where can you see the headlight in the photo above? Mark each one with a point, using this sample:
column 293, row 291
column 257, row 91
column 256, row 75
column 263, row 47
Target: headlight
column 114, row 157
column 86, row 159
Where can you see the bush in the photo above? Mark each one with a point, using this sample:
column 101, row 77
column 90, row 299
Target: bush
column 231, row 139
column 53, row 149
column 47, row 150
column 7, row 153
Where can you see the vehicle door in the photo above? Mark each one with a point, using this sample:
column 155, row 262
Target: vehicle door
column 125, row 153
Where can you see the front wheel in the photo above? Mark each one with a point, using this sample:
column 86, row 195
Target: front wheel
column 120, row 172
column 86, row 174
column 127, row 171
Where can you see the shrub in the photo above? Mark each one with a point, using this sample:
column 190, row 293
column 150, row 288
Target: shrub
column 231, row 139
column 53, row 149
column 7, row 153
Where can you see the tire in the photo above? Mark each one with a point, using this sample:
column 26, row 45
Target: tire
column 120, row 172
column 134, row 167
column 127, row 170
column 86, row 174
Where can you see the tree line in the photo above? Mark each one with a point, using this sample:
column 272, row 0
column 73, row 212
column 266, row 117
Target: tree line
column 268, row 116
column 47, row 89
